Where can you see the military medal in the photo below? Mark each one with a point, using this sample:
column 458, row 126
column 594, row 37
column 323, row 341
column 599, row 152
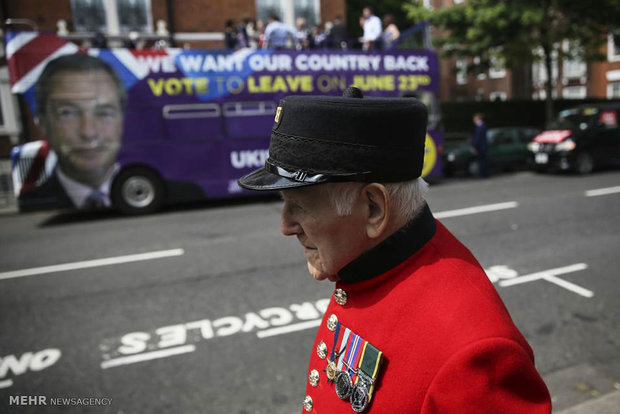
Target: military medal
column 359, row 397
column 344, row 385
column 353, row 365
column 331, row 370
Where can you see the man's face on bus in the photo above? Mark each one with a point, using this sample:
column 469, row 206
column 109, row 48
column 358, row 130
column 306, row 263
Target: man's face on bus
column 83, row 122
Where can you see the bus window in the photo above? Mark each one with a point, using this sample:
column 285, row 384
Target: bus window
column 249, row 119
column 192, row 121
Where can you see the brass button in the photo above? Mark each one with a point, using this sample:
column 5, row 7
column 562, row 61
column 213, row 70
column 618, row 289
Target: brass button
column 313, row 378
column 321, row 350
column 308, row 403
column 332, row 321
column 341, row 297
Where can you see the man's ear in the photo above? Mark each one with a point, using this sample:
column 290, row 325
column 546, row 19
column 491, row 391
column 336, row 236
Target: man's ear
column 377, row 200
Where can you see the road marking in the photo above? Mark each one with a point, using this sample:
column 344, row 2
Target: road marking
column 551, row 276
column 91, row 263
column 6, row 383
column 602, row 191
column 288, row 329
column 162, row 353
column 476, row 210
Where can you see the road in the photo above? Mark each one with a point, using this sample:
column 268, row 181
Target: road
column 208, row 309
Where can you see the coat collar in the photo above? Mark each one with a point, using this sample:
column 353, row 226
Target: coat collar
column 392, row 251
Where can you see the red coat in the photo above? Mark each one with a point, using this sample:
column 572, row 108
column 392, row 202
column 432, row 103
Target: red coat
column 448, row 342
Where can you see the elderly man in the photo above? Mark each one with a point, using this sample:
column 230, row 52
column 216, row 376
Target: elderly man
column 414, row 325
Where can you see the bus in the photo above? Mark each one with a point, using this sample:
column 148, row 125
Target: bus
column 194, row 120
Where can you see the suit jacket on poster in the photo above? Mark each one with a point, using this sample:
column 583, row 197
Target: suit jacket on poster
column 49, row 195
column 448, row 342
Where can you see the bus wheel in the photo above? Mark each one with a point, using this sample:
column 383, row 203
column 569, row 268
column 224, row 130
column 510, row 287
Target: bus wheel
column 137, row 191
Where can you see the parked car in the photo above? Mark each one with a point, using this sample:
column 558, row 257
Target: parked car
column 507, row 150
column 580, row 139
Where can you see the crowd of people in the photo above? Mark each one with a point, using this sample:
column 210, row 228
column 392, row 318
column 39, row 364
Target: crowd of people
column 274, row 34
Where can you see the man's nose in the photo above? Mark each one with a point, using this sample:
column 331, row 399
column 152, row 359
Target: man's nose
column 88, row 126
column 288, row 226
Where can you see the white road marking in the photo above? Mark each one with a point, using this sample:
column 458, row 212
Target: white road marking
column 281, row 330
column 551, row 276
column 91, row 263
column 475, row 210
column 162, row 353
column 6, row 383
column 602, row 191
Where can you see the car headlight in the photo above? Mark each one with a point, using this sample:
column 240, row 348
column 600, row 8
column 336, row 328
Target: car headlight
column 533, row 146
column 567, row 145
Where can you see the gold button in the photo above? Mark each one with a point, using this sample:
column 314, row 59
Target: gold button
column 332, row 321
column 313, row 378
column 308, row 403
column 341, row 297
column 321, row 350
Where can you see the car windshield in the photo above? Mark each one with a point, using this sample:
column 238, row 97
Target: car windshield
column 575, row 119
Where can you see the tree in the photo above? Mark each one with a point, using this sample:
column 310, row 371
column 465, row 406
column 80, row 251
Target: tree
column 521, row 32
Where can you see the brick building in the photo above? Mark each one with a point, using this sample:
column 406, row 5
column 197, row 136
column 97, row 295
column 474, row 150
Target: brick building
column 199, row 22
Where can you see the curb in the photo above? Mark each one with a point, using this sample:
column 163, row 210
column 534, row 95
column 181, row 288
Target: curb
column 607, row 404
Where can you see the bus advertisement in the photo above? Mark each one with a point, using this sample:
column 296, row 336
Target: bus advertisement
column 136, row 129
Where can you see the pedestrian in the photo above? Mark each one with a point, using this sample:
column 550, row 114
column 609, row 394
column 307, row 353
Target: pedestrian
column 302, row 34
column 251, row 29
column 479, row 145
column 230, row 35
column 338, row 34
column 260, row 30
column 278, row 35
column 372, row 30
column 243, row 40
column 390, row 32
column 414, row 325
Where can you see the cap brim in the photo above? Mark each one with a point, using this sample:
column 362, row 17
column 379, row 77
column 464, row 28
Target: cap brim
column 262, row 180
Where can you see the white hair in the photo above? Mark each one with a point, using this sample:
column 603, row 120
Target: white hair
column 407, row 197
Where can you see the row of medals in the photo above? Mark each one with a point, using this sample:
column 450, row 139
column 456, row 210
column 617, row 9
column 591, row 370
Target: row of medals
column 357, row 393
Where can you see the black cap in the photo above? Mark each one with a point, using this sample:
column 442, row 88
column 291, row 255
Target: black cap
column 319, row 139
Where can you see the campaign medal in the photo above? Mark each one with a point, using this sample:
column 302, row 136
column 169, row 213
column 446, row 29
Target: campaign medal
column 331, row 370
column 344, row 385
column 356, row 363
column 359, row 397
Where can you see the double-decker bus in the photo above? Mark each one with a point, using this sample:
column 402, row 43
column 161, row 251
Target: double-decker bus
column 194, row 121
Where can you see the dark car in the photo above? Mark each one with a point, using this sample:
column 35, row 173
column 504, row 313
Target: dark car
column 580, row 139
column 507, row 149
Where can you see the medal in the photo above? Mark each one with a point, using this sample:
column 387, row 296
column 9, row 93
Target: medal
column 359, row 397
column 353, row 365
column 344, row 386
column 331, row 370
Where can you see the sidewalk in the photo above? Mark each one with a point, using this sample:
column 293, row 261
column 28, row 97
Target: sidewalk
column 607, row 404
column 583, row 389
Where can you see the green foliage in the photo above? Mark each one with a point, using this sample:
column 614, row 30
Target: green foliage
column 520, row 31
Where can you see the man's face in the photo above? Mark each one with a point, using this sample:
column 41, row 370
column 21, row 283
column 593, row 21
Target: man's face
column 83, row 122
column 329, row 241
column 366, row 13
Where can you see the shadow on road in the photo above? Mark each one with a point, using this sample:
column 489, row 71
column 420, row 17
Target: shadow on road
column 79, row 216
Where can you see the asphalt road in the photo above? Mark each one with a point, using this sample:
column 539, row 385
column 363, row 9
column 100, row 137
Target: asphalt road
column 208, row 309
